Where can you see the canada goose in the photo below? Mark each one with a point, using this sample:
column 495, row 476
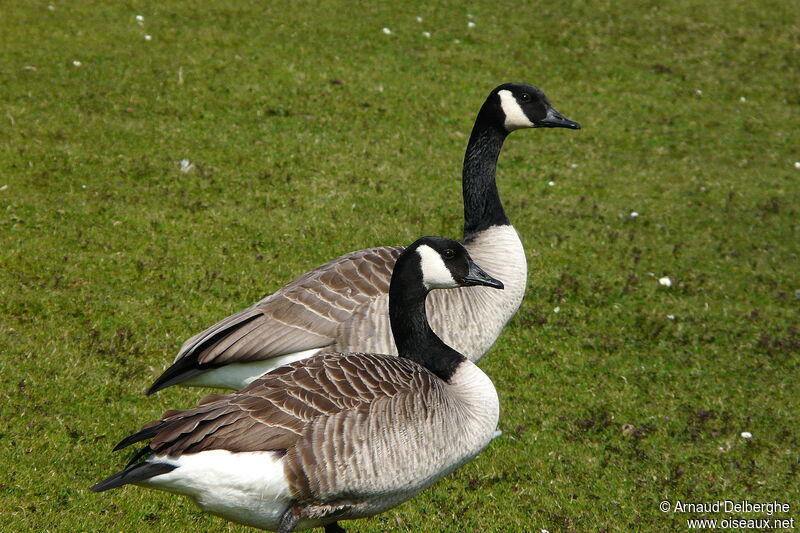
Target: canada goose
column 343, row 305
column 339, row 435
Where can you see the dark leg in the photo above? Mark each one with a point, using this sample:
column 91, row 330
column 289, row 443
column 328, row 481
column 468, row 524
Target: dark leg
column 288, row 521
column 334, row 527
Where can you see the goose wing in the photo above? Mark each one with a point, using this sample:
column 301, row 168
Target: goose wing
column 278, row 409
column 306, row 314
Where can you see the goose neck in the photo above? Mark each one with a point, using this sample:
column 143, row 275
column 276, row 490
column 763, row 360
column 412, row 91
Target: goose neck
column 414, row 337
column 482, row 205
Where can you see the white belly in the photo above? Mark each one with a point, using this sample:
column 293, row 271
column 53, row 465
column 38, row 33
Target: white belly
column 237, row 376
column 248, row 488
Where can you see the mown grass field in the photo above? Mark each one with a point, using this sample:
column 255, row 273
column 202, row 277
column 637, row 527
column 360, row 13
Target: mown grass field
column 312, row 133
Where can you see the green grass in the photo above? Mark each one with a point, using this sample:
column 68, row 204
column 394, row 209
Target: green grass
column 110, row 256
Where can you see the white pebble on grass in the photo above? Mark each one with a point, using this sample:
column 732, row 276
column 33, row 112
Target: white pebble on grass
column 139, row 18
column 419, row 19
column 665, row 281
column 4, row 187
column 573, row 165
column 148, row 37
column 76, row 63
column 634, row 214
column 671, row 317
column 742, row 99
column 797, row 164
column 387, row 31
column 698, row 92
column 426, row 34
column 51, row 7
column 470, row 24
column 551, row 183
column 746, row 435
column 557, row 309
column 186, row 165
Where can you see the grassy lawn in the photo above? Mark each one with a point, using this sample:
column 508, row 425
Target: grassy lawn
column 310, row 133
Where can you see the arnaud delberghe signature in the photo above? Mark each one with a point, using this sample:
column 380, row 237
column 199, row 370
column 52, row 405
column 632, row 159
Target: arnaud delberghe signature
column 730, row 506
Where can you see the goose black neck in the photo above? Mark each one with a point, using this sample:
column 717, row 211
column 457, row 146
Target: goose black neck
column 413, row 335
column 482, row 206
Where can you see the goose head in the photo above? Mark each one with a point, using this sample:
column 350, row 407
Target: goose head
column 439, row 263
column 515, row 106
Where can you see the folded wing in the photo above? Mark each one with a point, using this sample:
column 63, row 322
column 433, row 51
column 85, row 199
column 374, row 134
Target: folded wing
column 306, row 314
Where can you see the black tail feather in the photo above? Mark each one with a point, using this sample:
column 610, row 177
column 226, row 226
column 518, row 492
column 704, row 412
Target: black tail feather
column 133, row 474
column 180, row 371
column 138, row 455
column 146, row 433
column 188, row 366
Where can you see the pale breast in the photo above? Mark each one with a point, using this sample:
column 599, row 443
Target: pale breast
column 395, row 447
column 469, row 319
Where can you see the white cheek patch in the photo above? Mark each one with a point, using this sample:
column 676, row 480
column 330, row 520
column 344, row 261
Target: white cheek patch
column 435, row 275
column 515, row 116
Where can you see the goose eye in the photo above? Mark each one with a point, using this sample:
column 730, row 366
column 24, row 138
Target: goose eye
column 449, row 253
column 525, row 97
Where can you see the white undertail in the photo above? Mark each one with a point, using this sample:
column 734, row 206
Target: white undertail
column 249, row 488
